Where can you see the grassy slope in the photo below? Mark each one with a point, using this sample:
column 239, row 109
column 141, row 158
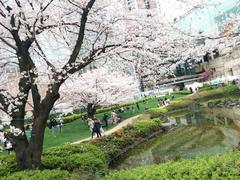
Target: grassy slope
column 78, row 130
column 231, row 91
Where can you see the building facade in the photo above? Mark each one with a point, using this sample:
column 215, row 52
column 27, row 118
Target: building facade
column 150, row 7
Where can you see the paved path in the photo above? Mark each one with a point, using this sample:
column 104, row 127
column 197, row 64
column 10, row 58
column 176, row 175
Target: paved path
column 110, row 131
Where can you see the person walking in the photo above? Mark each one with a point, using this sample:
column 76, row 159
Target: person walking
column 60, row 123
column 138, row 107
column 8, row 146
column 96, row 128
column 52, row 126
column 90, row 123
column 105, row 120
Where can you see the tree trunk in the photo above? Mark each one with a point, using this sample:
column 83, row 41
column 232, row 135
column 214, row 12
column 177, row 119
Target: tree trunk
column 28, row 154
column 91, row 110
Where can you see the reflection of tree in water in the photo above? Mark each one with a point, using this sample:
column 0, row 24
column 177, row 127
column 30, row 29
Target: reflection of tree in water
column 186, row 142
column 197, row 134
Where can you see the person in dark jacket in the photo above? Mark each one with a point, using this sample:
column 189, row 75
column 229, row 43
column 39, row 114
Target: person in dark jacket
column 138, row 107
column 96, row 128
column 52, row 126
column 105, row 120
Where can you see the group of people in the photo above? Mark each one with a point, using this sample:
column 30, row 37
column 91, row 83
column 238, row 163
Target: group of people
column 95, row 126
column 163, row 102
column 56, row 124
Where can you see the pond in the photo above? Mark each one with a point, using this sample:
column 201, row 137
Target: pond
column 197, row 131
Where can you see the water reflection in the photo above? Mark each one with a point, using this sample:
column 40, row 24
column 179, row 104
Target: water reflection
column 199, row 131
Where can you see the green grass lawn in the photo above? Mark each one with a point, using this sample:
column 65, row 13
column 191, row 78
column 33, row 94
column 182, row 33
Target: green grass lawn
column 78, row 129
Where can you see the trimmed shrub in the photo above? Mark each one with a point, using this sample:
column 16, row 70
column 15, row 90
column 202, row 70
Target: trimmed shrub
column 156, row 112
column 85, row 158
column 216, row 167
column 39, row 175
column 183, row 92
column 180, row 104
column 213, row 103
column 115, row 143
column 7, row 165
column 71, row 118
column 142, row 128
column 228, row 91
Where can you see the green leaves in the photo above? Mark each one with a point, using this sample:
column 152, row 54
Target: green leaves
column 216, row 167
column 39, row 175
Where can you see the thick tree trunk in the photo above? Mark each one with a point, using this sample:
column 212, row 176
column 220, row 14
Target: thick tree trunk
column 28, row 155
column 91, row 110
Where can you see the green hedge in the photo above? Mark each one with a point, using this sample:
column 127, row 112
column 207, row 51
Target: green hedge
column 213, row 103
column 86, row 159
column 71, row 118
column 142, row 128
column 183, row 92
column 113, row 144
column 216, row 167
column 7, row 165
column 156, row 112
column 205, row 96
column 40, row 175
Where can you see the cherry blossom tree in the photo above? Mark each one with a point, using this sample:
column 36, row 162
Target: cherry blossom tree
column 50, row 40
column 29, row 29
column 97, row 88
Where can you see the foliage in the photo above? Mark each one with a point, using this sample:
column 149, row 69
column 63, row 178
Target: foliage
column 156, row 112
column 183, row 92
column 230, row 91
column 115, row 143
column 99, row 87
column 86, row 159
column 179, row 104
column 216, row 167
column 214, row 102
column 39, row 175
column 71, row 118
column 206, row 95
column 143, row 128
column 7, row 165
column 225, row 102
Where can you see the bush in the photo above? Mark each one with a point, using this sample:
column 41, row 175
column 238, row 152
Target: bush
column 7, row 165
column 180, row 104
column 213, row 103
column 39, row 175
column 142, row 128
column 183, row 92
column 230, row 91
column 216, row 167
column 115, row 143
column 156, row 112
column 85, row 158
column 206, row 95
column 71, row 118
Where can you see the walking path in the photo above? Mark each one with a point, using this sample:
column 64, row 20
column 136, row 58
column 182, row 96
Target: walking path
column 124, row 123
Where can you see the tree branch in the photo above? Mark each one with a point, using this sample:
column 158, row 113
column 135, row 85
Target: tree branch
column 81, row 34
